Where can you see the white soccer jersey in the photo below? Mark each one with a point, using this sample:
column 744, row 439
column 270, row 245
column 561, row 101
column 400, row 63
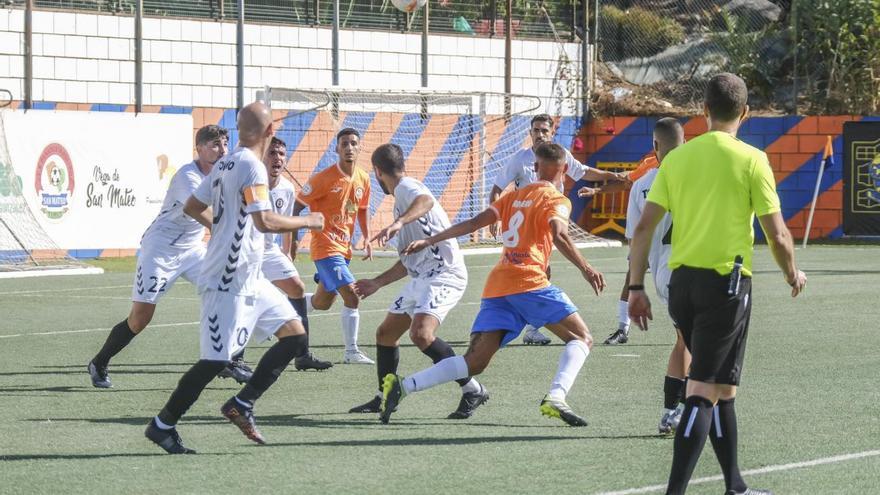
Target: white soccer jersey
column 520, row 169
column 172, row 227
column 661, row 243
column 442, row 257
column 236, row 187
column 282, row 197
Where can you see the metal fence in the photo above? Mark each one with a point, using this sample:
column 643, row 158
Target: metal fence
column 796, row 55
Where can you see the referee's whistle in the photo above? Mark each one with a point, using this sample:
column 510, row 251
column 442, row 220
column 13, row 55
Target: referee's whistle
column 735, row 276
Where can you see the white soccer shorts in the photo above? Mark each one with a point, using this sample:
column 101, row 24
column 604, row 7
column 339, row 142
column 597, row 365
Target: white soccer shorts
column 159, row 267
column 276, row 266
column 230, row 321
column 661, row 283
column 435, row 296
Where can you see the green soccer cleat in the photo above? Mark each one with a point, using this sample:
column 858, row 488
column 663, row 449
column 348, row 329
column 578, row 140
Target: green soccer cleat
column 392, row 394
column 555, row 408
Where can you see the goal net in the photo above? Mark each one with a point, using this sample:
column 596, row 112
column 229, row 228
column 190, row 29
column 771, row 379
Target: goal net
column 455, row 143
column 26, row 249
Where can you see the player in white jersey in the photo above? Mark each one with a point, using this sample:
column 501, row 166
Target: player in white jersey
column 520, row 170
column 668, row 134
column 438, row 279
column 238, row 304
column 277, row 265
column 171, row 247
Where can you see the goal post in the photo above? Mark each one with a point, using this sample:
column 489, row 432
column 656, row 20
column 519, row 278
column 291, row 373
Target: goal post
column 455, row 143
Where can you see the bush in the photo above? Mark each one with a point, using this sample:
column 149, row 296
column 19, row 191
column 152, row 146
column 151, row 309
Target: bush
column 636, row 32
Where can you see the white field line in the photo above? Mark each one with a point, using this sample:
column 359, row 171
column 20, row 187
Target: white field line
column 751, row 472
column 167, row 325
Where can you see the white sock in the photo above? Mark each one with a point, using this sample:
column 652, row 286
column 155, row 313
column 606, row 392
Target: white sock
column 161, row 425
column 623, row 314
column 351, row 319
column 452, row 368
column 528, row 329
column 570, row 363
column 471, row 386
column 309, row 307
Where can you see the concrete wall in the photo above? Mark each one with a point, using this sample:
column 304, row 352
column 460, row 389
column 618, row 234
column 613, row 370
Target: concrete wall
column 87, row 58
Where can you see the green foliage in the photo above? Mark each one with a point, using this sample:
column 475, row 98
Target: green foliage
column 744, row 54
column 637, row 32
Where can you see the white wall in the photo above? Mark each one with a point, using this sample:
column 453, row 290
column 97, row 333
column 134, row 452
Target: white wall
column 87, row 58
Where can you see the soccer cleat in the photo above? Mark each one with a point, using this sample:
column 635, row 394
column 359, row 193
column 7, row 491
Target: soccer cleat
column 373, row 406
column 100, row 378
column 749, row 491
column 392, row 394
column 169, row 440
column 356, row 357
column 237, row 370
column 535, row 337
column 469, row 403
column 310, row 362
column 620, row 336
column 670, row 420
column 555, row 408
column 243, row 418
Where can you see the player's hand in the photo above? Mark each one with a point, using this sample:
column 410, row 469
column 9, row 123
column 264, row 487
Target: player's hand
column 798, row 283
column 640, row 308
column 387, row 233
column 368, row 250
column 416, row 246
column 294, row 248
column 587, row 192
column 493, row 229
column 595, row 278
column 316, row 221
column 365, row 288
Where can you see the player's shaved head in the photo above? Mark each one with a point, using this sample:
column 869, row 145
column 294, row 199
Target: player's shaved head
column 551, row 161
column 668, row 132
column 726, row 97
column 253, row 121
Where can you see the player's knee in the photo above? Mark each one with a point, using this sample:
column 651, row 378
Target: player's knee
column 139, row 318
column 421, row 337
column 322, row 303
column 476, row 363
column 385, row 336
column 298, row 288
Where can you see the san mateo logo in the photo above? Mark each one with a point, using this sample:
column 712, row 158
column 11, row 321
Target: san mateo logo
column 54, row 181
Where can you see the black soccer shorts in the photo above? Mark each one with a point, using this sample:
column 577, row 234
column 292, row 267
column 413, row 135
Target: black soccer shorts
column 713, row 324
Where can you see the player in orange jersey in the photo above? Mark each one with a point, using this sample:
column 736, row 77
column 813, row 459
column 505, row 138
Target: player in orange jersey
column 341, row 193
column 534, row 219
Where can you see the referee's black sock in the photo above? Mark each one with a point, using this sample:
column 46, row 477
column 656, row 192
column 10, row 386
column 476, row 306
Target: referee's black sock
column 690, row 437
column 673, row 392
column 299, row 305
column 440, row 350
column 271, row 365
column 120, row 336
column 387, row 359
column 723, row 436
column 188, row 389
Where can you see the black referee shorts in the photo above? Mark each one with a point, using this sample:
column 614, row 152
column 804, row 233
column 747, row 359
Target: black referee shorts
column 713, row 324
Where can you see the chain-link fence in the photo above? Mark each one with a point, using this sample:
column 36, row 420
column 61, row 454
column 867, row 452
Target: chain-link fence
column 796, row 55
column 534, row 19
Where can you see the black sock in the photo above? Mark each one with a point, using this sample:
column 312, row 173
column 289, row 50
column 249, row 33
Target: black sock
column 238, row 356
column 387, row 359
column 723, row 436
column 690, row 437
column 119, row 337
column 272, row 364
column 189, row 388
column 673, row 392
column 299, row 305
column 440, row 350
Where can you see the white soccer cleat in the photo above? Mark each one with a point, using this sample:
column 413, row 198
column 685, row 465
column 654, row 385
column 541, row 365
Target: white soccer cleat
column 356, row 357
column 535, row 337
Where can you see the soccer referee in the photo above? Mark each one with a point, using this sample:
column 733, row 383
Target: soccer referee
column 713, row 186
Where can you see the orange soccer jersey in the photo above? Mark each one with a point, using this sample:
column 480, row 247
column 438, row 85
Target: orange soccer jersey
column 525, row 216
column 650, row 162
column 339, row 198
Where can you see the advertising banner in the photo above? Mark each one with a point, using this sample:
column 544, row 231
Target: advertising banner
column 861, row 178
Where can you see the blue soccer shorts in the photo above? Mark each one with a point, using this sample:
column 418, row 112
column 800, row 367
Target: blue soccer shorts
column 511, row 313
column 333, row 273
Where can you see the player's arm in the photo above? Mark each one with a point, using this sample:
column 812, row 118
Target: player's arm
column 198, row 211
column 595, row 175
column 505, row 176
column 639, row 305
column 363, row 217
column 183, row 185
column 364, row 288
column 298, row 207
column 782, row 247
column 419, row 207
column 269, row 222
column 565, row 245
column 285, row 243
column 487, row 217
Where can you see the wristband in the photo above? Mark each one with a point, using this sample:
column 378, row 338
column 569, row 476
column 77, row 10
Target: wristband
column 635, row 287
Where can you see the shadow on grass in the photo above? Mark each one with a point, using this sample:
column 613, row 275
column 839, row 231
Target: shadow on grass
column 63, row 457
column 425, row 441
